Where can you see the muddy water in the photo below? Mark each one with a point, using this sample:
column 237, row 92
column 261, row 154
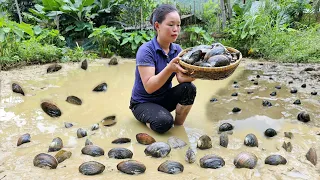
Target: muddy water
column 21, row 115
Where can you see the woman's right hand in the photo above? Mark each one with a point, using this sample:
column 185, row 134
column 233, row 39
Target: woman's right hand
column 174, row 66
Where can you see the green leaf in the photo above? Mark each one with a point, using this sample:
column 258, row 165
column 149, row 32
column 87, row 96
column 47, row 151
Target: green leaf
column 50, row 5
column 69, row 28
column 137, row 39
column 61, row 38
column 87, row 2
column 54, row 13
column 26, row 28
column 125, row 41
column 252, row 32
column 18, row 32
column 2, row 35
column 37, row 29
column 244, row 34
column 6, row 29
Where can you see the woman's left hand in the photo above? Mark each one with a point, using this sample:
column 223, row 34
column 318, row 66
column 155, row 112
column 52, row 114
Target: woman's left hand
column 181, row 77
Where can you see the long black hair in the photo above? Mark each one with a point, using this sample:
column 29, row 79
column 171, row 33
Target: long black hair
column 159, row 14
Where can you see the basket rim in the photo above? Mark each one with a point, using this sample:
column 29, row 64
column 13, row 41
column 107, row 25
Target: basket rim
column 212, row 69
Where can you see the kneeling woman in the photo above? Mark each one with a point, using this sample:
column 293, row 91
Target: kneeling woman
column 153, row 97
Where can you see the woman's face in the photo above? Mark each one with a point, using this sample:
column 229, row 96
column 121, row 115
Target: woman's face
column 169, row 29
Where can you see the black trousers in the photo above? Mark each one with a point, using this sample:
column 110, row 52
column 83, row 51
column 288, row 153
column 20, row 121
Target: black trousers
column 158, row 113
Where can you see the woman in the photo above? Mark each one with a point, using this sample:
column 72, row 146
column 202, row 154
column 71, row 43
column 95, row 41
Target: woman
column 153, row 97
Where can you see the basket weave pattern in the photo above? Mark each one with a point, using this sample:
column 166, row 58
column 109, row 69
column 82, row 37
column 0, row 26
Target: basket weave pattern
column 210, row 73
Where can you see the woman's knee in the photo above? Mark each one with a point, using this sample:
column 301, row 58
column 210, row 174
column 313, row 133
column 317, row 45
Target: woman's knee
column 162, row 124
column 189, row 93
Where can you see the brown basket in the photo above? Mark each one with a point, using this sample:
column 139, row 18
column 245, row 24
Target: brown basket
column 210, row 73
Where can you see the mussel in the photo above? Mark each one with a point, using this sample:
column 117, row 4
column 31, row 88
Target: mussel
column 190, row 156
column 100, row 87
column 171, row 167
column 74, row 100
column 275, row 160
column 314, row 93
column 95, row 126
column 245, row 160
column 68, row 125
column 120, row 153
column 303, row 116
column 175, row 142
column 121, row 141
column 204, row 142
column 17, row 88
column 266, row 103
column 131, row 167
column 84, row 65
column 224, row 140
column 273, row 93
column 62, row 155
column 212, row 161
column 287, row 146
column 113, row 61
column 312, row 156
column 88, row 142
column 109, row 121
column 51, row 109
column 91, row 168
column 24, row 139
column 81, row 133
column 236, row 110
column 45, row 161
column 192, row 56
column 219, row 60
column 225, row 127
column 251, row 140
column 293, row 90
column 288, row 135
column 55, row 145
column 92, row 150
column 157, row 149
column 270, row 132
column 53, row 68
column 145, row 139
column 297, row 102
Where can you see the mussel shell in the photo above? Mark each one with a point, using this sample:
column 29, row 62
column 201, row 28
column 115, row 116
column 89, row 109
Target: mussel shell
column 219, row 60
column 288, row 135
column 24, row 139
column 225, row 127
column 224, row 140
column 314, row 93
column 270, row 132
column 303, row 85
column 55, row 145
column 278, row 87
column 215, row 51
column 312, row 156
column 251, row 140
column 51, row 109
column 275, row 160
column 17, row 88
column 297, row 102
column 121, row 141
column 62, row 155
column 131, row 167
column 175, row 142
column 204, row 142
column 157, row 149
column 190, row 156
column 68, row 125
column 236, row 109
column 245, row 160
column 91, row 168
column 45, row 161
column 303, row 116
column 120, row 153
column 234, row 94
column 100, row 87
column 273, row 93
column 171, row 167
column 53, row 68
column 113, row 61
column 293, row 90
column 95, row 127
column 92, row 150
column 205, row 64
column 287, row 146
column 109, row 121
column 145, row 139
column 88, row 142
column 212, row 161
column 81, row 133
column 266, row 103
column 84, row 65
column 74, row 100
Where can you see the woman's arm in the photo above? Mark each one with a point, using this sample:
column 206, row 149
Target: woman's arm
column 184, row 78
column 152, row 82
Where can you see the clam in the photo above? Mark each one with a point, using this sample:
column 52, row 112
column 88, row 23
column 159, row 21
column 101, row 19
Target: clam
column 234, row 94
column 45, row 161
column 266, row 103
column 303, row 116
column 192, row 56
column 95, row 127
column 288, row 135
column 293, row 90
column 92, row 150
column 219, row 61
column 171, row 167
column 84, row 65
column 113, row 61
column 55, row 145
column 312, row 156
column 273, row 93
column 145, row 139
column 212, row 161
column 245, row 160
column 204, row 142
column 251, row 140
column 91, row 168
column 24, row 139
column 224, row 139
column 109, row 121
column 17, row 88
column 297, row 102
column 225, row 127
column 303, row 85
column 314, row 93
column 270, row 132
column 236, row 109
column 121, row 141
column 68, row 125
column 53, row 68
column 120, row 153
column 287, row 146
column 74, row 100
column 157, row 149
column 190, row 156
column 175, row 142
column 131, row 167
column 51, row 109
column 88, row 142
column 62, row 155
column 81, row 133
column 100, row 87
column 275, row 160
column 216, row 50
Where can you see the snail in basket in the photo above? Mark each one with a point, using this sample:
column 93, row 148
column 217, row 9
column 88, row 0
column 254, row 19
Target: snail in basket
column 215, row 55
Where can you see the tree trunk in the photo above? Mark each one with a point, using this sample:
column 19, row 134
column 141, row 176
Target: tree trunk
column 223, row 14
column 316, row 11
column 18, row 10
column 229, row 8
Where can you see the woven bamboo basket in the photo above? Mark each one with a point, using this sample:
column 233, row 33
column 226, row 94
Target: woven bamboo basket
column 210, row 73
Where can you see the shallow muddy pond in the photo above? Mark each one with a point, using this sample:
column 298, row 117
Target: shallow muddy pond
column 23, row 114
